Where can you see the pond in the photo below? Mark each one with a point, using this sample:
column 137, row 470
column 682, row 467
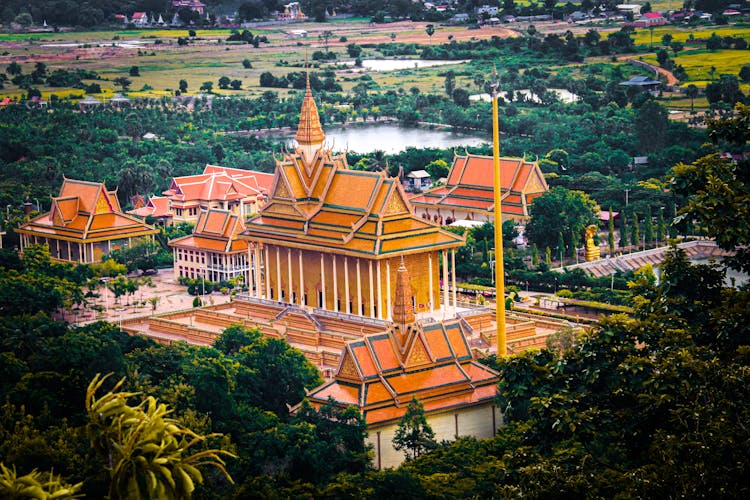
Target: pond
column 395, row 64
column 391, row 138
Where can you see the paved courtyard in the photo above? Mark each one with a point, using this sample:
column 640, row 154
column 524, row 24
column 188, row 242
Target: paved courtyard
column 171, row 297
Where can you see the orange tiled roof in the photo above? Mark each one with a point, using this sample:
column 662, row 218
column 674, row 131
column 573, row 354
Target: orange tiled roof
column 219, row 184
column 156, row 206
column 85, row 212
column 470, row 186
column 215, row 231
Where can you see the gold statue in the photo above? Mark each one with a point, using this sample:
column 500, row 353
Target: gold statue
column 592, row 249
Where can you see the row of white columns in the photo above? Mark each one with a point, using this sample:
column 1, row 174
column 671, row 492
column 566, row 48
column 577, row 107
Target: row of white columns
column 260, row 258
column 85, row 250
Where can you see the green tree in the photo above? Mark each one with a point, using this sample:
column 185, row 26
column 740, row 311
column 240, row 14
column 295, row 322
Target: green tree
column 123, row 82
column 183, row 84
column 653, row 124
column 450, row 82
column 247, row 64
column 437, row 169
column 325, row 37
column 134, row 71
column 648, row 227
column 414, row 436
column 224, row 82
column 635, row 233
column 717, row 189
column 207, row 87
column 560, row 211
column 148, row 454
column 14, row 68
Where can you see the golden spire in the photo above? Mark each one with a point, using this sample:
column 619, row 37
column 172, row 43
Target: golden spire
column 309, row 132
column 403, row 310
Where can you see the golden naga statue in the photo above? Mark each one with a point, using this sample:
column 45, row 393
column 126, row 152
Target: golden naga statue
column 592, row 249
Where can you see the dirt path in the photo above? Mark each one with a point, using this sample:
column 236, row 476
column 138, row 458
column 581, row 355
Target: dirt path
column 671, row 79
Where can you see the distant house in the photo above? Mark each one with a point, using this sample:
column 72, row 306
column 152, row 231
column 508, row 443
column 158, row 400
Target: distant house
column 490, row 10
column 292, row 12
column 459, row 18
column 296, row 34
column 650, row 19
column 418, row 179
column 578, row 16
column 633, row 8
column 139, row 19
column 121, row 18
column 644, row 83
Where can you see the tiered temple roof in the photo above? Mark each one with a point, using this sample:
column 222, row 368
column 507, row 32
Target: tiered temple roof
column 470, row 187
column 382, row 372
column 86, row 212
column 318, row 203
column 215, row 231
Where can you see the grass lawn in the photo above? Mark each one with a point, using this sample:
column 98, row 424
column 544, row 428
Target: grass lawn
column 698, row 63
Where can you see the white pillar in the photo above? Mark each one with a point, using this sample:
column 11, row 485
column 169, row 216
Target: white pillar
column 68, row 250
column 80, row 253
column 388, row 287
column 371, row 292
column 278, row 274
column 380, row 291
column 256, row 267
column 266, row 260
column 359, row 291
column 446, row 284
column 301, row 281
column 335, row 287
column 291, row 281
column 453, row 276
column 322, row 305
column 429, row 274
column 347, row 308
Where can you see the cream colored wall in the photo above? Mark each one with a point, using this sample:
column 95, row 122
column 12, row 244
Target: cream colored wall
column 474, row 421
column 417, row 265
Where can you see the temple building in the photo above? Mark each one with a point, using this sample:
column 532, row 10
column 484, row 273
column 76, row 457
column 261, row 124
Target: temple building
column 332, row 238
column 240, row 191
column 213, row 251
column 469, row 191
column 382, row 372
column 84, row 224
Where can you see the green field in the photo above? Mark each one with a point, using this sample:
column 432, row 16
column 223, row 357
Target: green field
column 642, row 36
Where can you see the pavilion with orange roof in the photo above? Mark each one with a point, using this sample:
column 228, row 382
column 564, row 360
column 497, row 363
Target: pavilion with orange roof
column 213, row 251
column 469, row 190
column 331, row 238
column 85, row 223
column 381, row 373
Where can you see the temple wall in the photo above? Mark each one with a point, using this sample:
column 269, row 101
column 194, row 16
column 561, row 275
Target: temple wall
column 478, row 421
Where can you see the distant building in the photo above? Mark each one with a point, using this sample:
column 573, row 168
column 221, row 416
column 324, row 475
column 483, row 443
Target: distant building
column 632, row 8
column 193, row 5
column 139, row 19
column 240, row 191
column 213, row 251
column 292, row 12
column 469, row 190
column 85, row 223
column 418, row 180
column 644, row 83
column 650, row 19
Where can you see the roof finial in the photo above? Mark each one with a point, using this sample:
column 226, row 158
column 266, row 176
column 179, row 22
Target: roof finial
column 403, row 310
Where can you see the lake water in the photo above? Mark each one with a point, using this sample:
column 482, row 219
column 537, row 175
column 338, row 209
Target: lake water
column 391, row 138
column 395, row 64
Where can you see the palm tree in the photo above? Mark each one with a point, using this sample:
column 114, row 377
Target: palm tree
column 147, row 453
column 430, row 30
column 35, row 485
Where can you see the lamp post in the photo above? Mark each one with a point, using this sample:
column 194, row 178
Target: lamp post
column 499, row 268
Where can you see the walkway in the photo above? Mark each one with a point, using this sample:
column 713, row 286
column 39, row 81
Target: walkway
column 634, row 261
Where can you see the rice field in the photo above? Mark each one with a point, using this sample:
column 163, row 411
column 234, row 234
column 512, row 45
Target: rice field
column 642, row 36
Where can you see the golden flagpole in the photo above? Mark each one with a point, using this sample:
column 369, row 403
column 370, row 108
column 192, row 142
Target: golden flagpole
column 499, row 267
